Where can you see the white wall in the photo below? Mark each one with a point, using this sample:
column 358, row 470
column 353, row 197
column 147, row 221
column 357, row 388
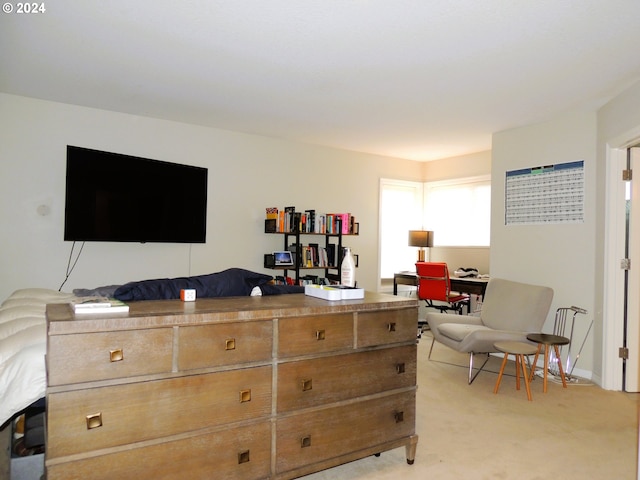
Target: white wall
column 471, row 165
column 456, row 257
column 561, row 256
column 245, row 176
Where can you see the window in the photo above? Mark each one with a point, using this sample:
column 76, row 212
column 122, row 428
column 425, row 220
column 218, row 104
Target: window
column 401, row 205
column 458, row 211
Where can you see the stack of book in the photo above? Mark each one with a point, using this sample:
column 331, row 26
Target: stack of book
column 289, row 220
column 313, row 255
column 94, row 305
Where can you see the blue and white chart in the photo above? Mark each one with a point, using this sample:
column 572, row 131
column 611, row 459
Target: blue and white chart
column 547, row 194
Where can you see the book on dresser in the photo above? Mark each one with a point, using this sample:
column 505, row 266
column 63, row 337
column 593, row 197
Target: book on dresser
column 95, row 305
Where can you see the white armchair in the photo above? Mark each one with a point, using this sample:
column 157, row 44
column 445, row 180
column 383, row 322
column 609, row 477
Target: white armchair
column 510, row 311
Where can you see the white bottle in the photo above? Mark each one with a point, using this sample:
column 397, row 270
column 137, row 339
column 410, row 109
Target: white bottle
column 348, row 269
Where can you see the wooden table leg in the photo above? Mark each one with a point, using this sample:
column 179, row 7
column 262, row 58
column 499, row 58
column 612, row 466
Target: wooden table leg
column 526, row 377
column 564, row 381
column 504, row 363
column 535, row 361
column 546, row 368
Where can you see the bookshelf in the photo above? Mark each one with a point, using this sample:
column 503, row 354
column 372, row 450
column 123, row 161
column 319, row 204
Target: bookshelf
column 314, row 248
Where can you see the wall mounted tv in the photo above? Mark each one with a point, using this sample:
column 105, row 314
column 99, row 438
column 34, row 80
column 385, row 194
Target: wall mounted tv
column 120, row 198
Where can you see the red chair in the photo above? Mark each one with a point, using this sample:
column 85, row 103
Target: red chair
column 434, row 286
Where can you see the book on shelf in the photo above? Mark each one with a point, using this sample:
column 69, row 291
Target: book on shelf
column 271, row 213
column 340, row 223
column 288, row 220
column 310, row 221
column 93, row 305
column 308, row 257
column 315, row 254
column 332, row 260
column 289, row 213
column 311, row 256
column 296, row 223
column 323, row 260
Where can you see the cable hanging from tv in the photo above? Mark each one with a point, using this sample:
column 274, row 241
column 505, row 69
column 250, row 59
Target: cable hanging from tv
column 70, row 267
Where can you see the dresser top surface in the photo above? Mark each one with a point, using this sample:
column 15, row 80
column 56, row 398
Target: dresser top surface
column 158, row 313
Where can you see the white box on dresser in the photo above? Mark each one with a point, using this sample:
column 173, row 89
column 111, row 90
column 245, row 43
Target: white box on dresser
column 236, row 388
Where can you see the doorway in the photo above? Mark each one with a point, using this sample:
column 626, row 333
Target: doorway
column 631, row 327
column 621, row 312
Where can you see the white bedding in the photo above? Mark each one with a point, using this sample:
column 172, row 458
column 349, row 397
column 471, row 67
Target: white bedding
column 23, row 345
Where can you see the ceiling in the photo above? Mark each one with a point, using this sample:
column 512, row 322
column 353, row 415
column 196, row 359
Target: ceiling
column 416, row 79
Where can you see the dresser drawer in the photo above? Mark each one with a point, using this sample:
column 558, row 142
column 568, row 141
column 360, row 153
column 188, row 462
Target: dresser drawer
column 314, row 334
column 90, row 419
column 238, row 454
column 324, row 380
column 85, row 357
column 224, row 344
column 389, row 326
column 308, row 438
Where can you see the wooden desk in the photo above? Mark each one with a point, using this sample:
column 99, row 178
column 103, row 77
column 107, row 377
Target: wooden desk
column 470, row 285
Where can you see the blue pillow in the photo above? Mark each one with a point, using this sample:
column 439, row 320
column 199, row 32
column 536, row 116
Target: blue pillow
column 234, row 282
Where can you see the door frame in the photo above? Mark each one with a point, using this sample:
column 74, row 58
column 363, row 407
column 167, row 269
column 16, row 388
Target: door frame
column 612, row 311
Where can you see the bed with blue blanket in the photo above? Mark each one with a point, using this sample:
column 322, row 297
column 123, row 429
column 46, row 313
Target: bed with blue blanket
column 23, row 329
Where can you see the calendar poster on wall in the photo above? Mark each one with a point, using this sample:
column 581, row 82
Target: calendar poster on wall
column 544, row 195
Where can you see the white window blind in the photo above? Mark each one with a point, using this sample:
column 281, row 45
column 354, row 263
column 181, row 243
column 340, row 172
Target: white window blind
column 401, row 205
column 459, row 211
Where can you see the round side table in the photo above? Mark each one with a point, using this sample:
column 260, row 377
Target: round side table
column 548, row 340
column 519, row 350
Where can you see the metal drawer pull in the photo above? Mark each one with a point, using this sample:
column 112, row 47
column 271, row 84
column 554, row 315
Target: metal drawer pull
column 230, row 344
column 400, row 368
column 391, row 326
column 305, row 441
column 399, row 416
column 320, row 335
column 307, row 385
column 116, row 355
column 94, row 421
column 243, row 457
column 245, row 396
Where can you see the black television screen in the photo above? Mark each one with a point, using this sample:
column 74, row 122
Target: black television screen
column 120, row 198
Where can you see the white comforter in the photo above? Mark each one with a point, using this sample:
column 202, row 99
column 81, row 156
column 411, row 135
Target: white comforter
column 23, row 345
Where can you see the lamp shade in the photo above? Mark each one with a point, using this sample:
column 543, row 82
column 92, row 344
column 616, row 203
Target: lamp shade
column 420, row 238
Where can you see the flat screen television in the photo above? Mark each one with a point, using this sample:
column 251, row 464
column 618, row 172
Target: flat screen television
column 111, row 197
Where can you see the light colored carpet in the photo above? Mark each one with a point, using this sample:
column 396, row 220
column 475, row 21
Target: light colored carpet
column 468, row 432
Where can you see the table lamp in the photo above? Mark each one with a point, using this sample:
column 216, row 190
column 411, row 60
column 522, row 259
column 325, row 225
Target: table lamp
column 422, row 239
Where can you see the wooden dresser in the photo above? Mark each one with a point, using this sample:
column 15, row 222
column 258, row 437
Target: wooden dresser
column 235, row 388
